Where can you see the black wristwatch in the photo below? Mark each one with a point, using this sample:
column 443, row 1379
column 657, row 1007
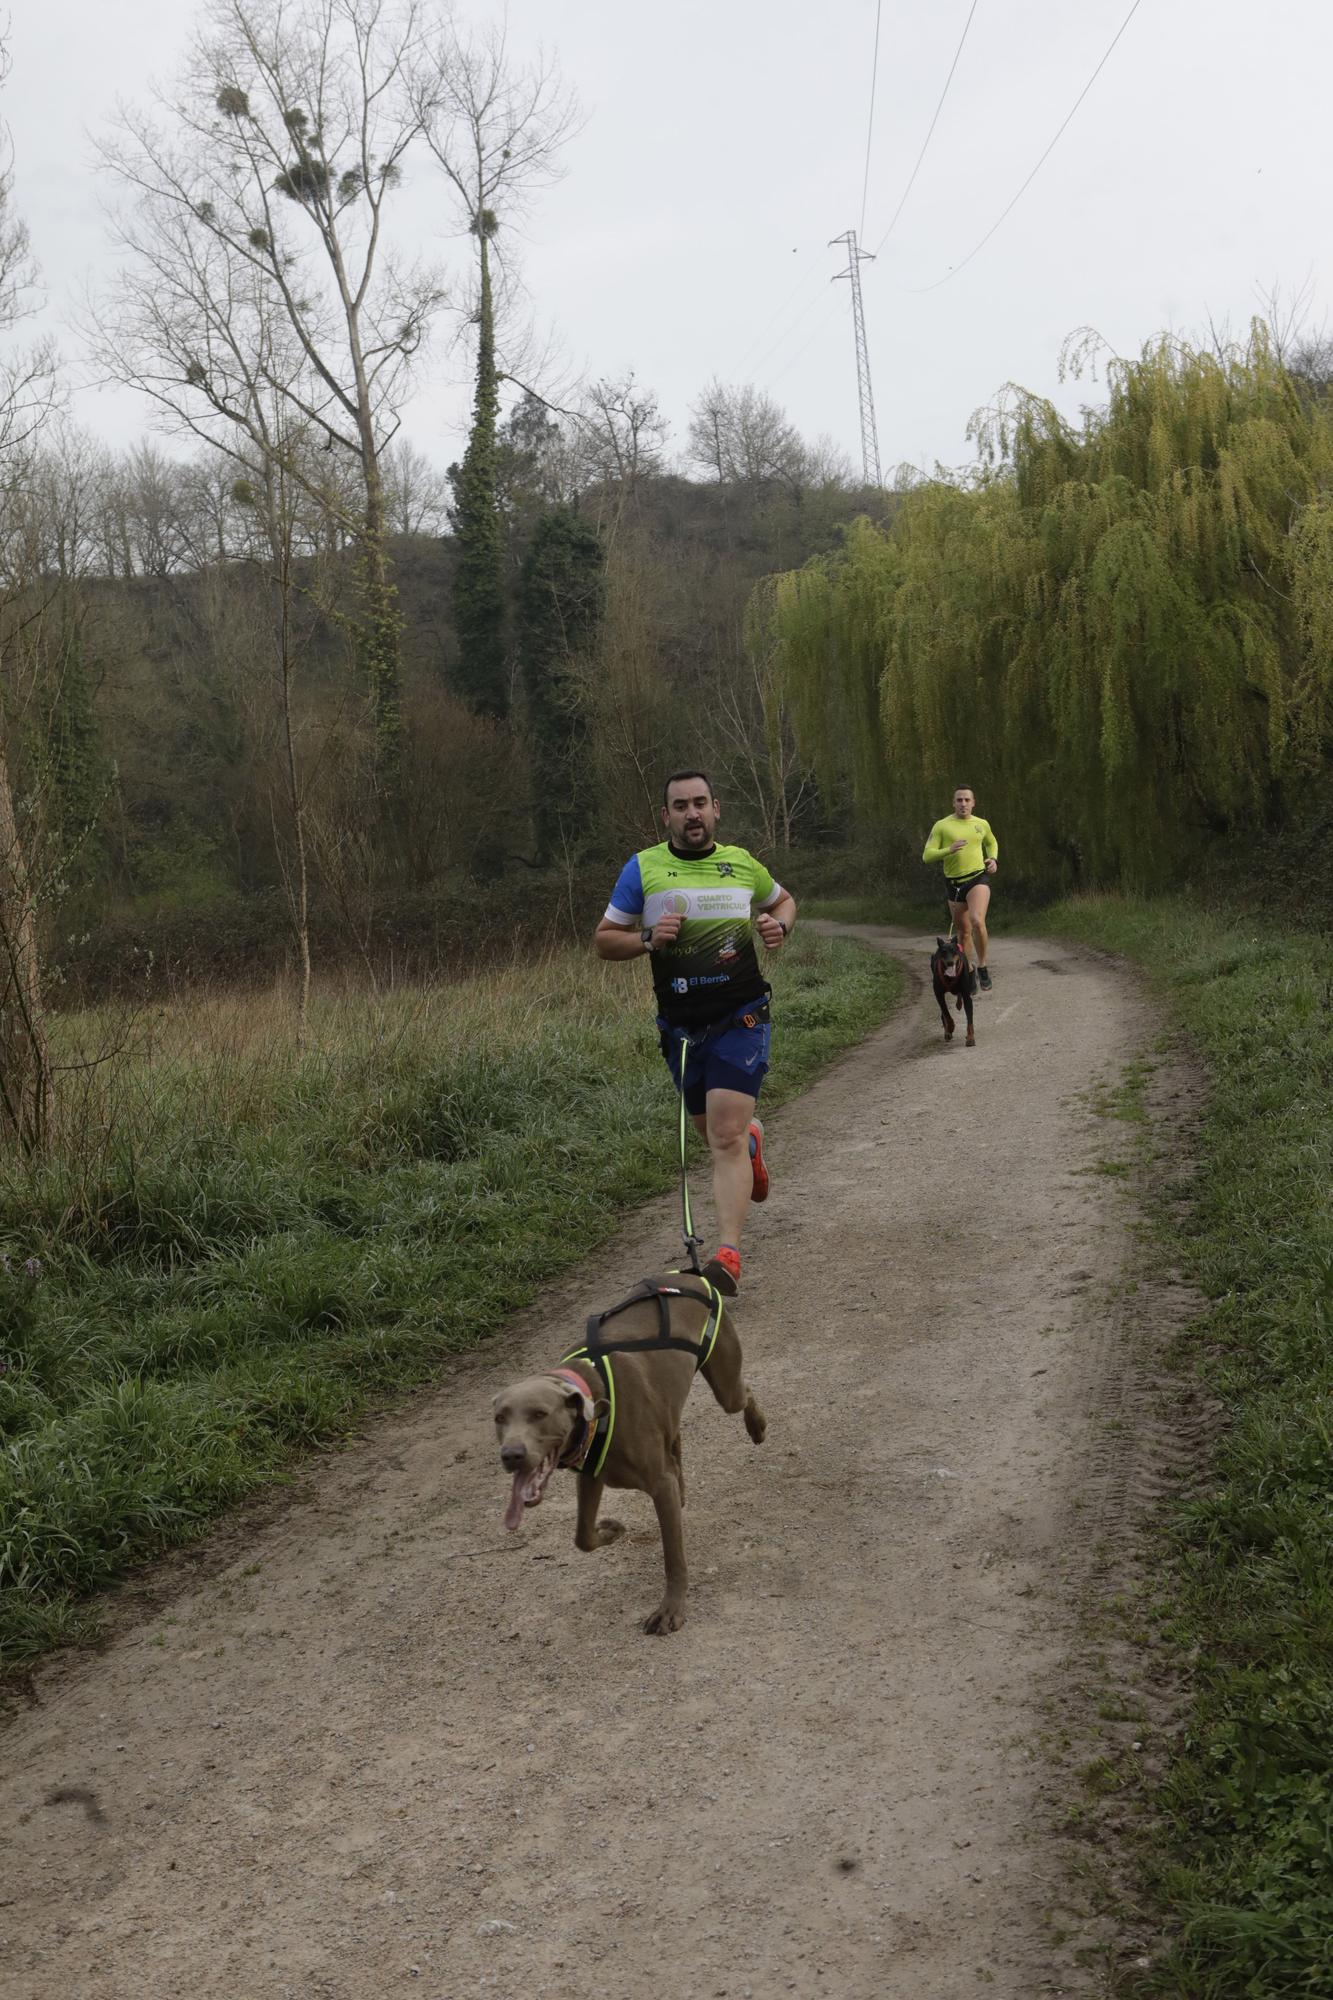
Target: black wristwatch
column 781, row 926
column 646, row 937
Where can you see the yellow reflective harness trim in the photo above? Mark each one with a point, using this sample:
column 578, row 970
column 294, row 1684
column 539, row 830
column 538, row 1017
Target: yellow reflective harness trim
column 600, row 1359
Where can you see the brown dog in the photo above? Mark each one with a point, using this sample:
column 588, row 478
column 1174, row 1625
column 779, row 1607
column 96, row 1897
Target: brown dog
column 951, row 975
column 612, row 1412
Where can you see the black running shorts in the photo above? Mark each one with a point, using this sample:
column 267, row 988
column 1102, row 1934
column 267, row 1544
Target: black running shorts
column 957, row 891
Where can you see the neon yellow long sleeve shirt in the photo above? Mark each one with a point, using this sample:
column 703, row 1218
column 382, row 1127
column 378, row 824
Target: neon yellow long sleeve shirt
column 981, row 845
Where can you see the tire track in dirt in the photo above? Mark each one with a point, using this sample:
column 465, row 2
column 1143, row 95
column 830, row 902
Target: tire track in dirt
column 389, row 1747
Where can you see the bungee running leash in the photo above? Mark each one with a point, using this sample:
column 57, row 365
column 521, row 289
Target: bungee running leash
column 691, row 1241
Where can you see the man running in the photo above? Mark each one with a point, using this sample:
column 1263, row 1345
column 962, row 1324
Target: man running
column 969, row 851
column 694, row 908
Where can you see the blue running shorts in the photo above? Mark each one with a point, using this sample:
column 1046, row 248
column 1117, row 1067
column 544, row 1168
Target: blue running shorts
column 735, row 1059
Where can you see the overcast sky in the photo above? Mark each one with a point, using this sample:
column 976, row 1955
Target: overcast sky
column 724, row 144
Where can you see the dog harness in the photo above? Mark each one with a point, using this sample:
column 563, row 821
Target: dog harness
column 587, row 1453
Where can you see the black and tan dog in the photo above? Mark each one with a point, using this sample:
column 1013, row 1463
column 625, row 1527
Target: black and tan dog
column 611, row 1412
column 951, row 976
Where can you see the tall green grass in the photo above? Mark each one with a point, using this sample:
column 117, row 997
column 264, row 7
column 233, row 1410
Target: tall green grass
column 1239, row 1856
column 229, row 1250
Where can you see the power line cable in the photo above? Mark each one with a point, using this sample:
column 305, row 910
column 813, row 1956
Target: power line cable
column 926, row 142
column 870, row 128
column 767, row 353
column 834, row 312
column 954, row 269
column 766, row 340
column 771, row 345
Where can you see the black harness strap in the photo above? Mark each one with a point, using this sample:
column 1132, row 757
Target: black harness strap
column 595, row 1345
column 597, row 1352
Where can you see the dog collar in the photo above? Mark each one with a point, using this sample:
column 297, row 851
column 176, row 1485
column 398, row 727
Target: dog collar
column 576, row 1449
column 576, row 1381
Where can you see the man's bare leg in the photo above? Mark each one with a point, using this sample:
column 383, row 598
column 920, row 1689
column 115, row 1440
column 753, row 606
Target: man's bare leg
column 726, row 1127
column 978, row 902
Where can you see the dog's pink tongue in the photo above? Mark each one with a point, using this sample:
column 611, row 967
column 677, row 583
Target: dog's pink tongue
column 515, row 1510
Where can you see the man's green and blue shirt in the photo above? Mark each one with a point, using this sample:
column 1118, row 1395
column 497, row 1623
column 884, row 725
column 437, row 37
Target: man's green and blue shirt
column 711, row 969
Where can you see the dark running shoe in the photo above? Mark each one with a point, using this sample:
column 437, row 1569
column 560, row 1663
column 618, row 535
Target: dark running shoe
column 983, row 979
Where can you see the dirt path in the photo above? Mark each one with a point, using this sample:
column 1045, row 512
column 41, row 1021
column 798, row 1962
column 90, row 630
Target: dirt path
column 388, row 1747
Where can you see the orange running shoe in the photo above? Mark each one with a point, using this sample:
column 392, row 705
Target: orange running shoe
column 723, row 1269
column 759, row 1191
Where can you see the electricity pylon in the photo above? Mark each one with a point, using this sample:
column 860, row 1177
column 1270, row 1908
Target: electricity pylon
column 869, row 434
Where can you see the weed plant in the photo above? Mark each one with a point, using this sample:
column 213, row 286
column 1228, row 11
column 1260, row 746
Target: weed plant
column 229, row 1250
column 1241, row 1855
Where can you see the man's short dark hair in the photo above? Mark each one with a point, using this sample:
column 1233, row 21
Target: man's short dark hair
column 688, row 772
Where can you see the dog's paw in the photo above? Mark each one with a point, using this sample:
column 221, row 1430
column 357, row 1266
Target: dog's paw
column 756, row 1423
column 666, row 1618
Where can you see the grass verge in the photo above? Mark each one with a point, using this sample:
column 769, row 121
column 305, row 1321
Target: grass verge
column 880, row 908
column 230, row 1251
column 1238, row 1855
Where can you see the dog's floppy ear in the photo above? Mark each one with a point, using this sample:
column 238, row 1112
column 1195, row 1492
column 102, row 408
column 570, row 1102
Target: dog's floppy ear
column 580, row 1401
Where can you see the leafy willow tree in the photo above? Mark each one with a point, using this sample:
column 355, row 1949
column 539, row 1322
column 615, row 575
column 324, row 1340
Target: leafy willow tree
column 1118, row 633
column 560, row 601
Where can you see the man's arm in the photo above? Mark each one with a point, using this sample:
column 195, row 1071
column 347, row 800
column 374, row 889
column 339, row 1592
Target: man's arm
column 990, row 846
column 936, row 846
column 620, row 933
column 774, row 924
column 618, row 940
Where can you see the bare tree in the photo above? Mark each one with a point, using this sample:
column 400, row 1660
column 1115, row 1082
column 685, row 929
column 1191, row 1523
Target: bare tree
column 64, row 494
column 496, row 128
column 759, row 742
column 620, row 441
column 264, row 205
column 27, row 394
column 745, row 438
column 416, row 493
column 275, row 497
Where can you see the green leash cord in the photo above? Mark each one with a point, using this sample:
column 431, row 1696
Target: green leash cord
column 691, row 1241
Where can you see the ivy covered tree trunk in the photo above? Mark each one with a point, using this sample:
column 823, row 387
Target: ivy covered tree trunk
column 560, row 600
column 27, row 1092
column 481, row 674
column 380, row 650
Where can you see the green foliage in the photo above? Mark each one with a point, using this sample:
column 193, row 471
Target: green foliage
column 1238, row 1856
column 480, row 672
column 238, row 1251
column 1114, row 633
column 18, row 1309
column 561, row 595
